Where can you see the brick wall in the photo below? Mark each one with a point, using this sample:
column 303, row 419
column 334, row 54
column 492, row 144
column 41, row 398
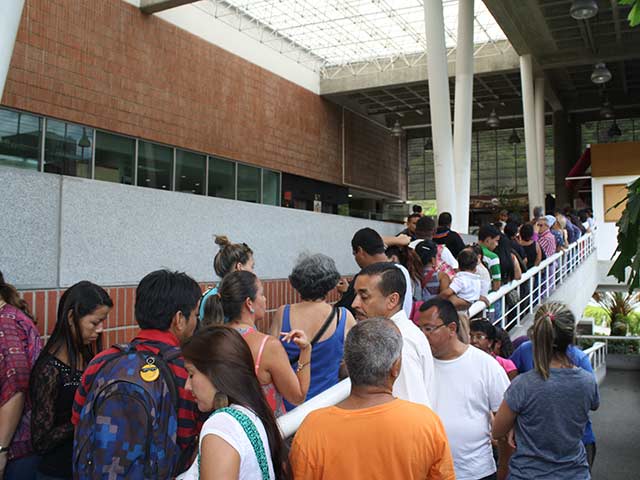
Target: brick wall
column 121, row 325
column 373, row 155
column 104, row 64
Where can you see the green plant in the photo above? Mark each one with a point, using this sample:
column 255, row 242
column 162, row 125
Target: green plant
column 634, row 14
column 598, row 314
column 618, row 307
column 629, row 237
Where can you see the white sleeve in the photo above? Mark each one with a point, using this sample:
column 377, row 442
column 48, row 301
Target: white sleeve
column 228, row 429
column 456, row 284
column 497, row 384
column 448, row 257
column 407, row 304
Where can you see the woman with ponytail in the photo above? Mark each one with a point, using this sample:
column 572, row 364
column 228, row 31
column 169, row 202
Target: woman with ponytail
column 240, row 439
column 20, row 346
column 240, row 303
column 549, row 406
column 232, row 257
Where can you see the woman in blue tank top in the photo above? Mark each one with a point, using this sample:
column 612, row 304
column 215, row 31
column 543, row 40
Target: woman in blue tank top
column 313, row 277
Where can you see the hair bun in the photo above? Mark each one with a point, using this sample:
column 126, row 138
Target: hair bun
column 222, row 240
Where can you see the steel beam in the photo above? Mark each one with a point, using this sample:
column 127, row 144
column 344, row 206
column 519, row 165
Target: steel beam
column 155, row 6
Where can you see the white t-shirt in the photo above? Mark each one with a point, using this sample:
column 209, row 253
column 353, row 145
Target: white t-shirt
column 485, row 279
column 467, row 286
column 415, row 382
column 230, row 430
column 407, row 304
column 467, row 389
column 445, row 254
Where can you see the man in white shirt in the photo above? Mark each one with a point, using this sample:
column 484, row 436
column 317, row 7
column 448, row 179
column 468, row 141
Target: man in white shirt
column 380, row 288
column 468, row 388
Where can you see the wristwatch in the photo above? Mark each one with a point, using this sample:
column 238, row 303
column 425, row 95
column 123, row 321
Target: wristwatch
column 3, row 449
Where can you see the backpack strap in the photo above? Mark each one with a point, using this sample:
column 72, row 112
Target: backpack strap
column 253, row 435
column 323, row 328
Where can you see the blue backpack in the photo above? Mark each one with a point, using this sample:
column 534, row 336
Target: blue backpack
column 129, row 422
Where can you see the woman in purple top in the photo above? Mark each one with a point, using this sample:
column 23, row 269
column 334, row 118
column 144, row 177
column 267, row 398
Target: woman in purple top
column 313, row 277
column 20, row 346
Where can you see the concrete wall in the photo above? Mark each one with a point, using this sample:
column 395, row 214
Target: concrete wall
column 60, row 230
column 607, row 232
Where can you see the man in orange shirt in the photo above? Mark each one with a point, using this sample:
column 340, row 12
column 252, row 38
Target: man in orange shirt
column 371, row 434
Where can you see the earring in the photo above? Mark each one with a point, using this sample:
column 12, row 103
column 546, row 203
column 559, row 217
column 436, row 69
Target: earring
column 220, row 400
column 251, row 310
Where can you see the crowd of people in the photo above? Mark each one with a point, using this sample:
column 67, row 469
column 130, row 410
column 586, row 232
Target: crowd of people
column 197, row 392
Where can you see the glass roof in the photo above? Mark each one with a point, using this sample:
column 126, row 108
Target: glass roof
column 343, row 32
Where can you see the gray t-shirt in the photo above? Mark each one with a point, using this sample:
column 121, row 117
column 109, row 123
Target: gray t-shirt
column 552, row 415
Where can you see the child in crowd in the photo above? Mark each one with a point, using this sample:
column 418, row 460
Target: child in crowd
column 433, row 281
column 483, row 336
column 465, row 288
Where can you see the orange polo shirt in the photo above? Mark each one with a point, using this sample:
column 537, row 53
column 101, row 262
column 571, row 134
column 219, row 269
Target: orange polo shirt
column 395, row 440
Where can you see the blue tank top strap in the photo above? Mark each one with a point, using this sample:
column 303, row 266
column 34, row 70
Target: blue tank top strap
column 286, row 322
column 341, row 324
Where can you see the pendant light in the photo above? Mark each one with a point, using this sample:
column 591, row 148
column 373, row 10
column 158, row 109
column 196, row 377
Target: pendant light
column 514, row 138
column 583, row 9
column 600, row 74
column 493, row 121
column 614, row 130
column 606, row 111
column 397, row 129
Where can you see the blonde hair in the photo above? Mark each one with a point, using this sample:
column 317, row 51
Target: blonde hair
column 553, row 331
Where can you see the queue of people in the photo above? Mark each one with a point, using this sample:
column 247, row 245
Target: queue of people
column 197, row 393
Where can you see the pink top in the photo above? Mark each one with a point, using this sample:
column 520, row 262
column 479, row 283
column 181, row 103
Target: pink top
column 271, row 394
column 505, row 363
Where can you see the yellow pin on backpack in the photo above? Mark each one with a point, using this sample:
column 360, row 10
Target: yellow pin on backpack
column 150, row 372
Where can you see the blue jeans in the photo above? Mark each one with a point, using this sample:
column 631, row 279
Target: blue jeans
column 22, row 469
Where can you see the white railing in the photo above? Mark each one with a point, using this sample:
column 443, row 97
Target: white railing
column 536, row 284
column 542, row 281
column 598, row 358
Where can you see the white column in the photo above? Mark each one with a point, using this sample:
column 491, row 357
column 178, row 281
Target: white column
column 439, row 107
column 463, row 115
column 9, row 23
column 540, row 132
column 530, row 140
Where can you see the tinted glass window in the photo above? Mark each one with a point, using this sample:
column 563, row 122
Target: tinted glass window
column 222, row 178
column 114, row 158
column 154, row 165
column 190, row 172
column 20, row 135
column 68, row 149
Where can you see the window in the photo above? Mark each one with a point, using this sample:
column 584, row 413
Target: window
column 20, row 135
column 114, row 158
column 190, row 172
column 222, row 178
column 154, row 165
column 68, row 149
column 248, row 183
column 270, row 187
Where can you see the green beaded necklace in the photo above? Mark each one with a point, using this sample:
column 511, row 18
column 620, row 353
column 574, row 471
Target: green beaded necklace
column 254, row 437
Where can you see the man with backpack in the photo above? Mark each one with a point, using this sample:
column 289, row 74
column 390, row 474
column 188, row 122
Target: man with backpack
column 133, row 417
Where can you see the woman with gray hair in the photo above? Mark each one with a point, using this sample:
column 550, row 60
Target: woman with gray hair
column 386, row 437
column 313, row 277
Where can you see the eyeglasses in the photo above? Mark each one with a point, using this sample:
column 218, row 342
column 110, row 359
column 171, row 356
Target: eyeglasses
column 428, row 329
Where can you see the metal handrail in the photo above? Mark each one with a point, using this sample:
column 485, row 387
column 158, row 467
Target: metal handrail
column 290, row 422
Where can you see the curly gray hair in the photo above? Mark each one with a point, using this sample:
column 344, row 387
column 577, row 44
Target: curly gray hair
column 314, row 276
column 371, row 348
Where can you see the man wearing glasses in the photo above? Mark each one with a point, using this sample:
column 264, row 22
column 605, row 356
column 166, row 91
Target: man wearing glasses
column 468, row 388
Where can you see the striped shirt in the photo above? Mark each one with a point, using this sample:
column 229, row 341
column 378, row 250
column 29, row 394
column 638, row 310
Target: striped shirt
column 189, row 418
column 492, row 261
column 547, row 243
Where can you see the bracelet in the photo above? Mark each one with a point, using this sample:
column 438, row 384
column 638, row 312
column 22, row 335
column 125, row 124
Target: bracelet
column 301, row 366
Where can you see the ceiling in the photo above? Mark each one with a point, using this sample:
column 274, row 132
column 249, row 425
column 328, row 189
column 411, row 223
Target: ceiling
column 564, row 51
